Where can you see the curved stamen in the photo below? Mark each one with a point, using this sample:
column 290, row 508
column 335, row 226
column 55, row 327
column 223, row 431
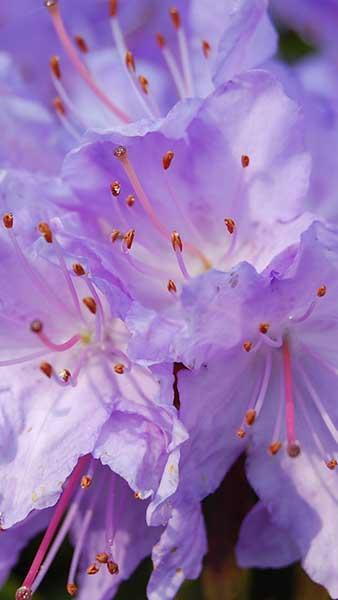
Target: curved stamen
column 58, row 347
column 184, row 52
column 172, row 65
column 72, row 53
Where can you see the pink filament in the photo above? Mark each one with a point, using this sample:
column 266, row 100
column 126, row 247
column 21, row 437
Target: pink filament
column 81, row 68
column 181, row 263
column 55, row 520
column 59, row 347
column 288, row 390
column 21, row 359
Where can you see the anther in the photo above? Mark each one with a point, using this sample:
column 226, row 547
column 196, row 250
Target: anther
column 293, row 450
column 78, row 269
column 36, row 326
column 115, row 235
column 23, row 593
column 93, row 569
column 65, row 375
column 128, row 238
column 274, row 448
column 72, row 589
column 250, row 416
column 160, row 39
column 130, row 200
column 115, row 188
column 130, row 61
column 50, row 3
column 144, row 83
column 137, row 495
column 112, row 567
column 247, row 346
column 8, row 220
column 176, row 241
column 59, row 105
column 54, row 64
column 171, row 286
column 120, row 152
column 167, row 159
column 206, row 48
column 240, row 433
column 102, row 557
column 332, row 464
column 86, row 482
column 81, row 44
column 321, row 291
column 90, row 303
column 112, row 8
column 264, row 327
column 230, row 225
column 46, row 232
column 119, row 368
column 47, row 369
column 245, row 160
column 175, row 17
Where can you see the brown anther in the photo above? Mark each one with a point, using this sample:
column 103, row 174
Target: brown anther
column 167, row 159
column 332, row 464
column 51, row 4
column 112, row 567
column 36, row 326
column 130, row 61
column 119, row 368
column 206, row 48
column 23, row 593
column 160, row 39
column 81, row 44
column 116, row 235
column 47, row 369
column 245, row 160
column 293, row 450
column 59, row 106
column 129, row 237
column 112, row 8
column 264, row 327
column 137, row 495
column 93, row 569
column 230, row 225
column 144, row 83
column 250, row 416
column 65, row 375
column 86, row 482
column 46, row 232
column 321, row 291
column 120, row 152
column 171, row 286
column 102, row 557
column 175, row 17
column 176, row 241
column 8, row 220
column 78, row 269
column 90, row 303
column 130, row 200
column 274, row 448
column 72, row 589
column 247, row 346
column 115, row 188
column 241, row 433
column 54, row 64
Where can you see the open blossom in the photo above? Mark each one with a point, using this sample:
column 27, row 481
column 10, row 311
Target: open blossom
column 121, row 61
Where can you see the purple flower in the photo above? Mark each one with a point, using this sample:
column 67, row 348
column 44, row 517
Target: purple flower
column 107, row 526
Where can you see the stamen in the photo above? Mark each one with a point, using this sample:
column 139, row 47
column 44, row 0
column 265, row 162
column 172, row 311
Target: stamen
column 68, row 278
column 86, row 482
column 241, row 433
column 319, row 405
column 171, row 64
column 47, row 369
column 130, row 61
column 184, row 52
column 206, row 48
column 264, row 385
column 23, row 593
column 250, row 416
column 61, row 113
column 102, row 558
column 247, row 346
column 276, row 445
column 171, row 287
column 167, row 159
column 116, row 235
column 56, row 518
column 8, row 220
column 81, row 44
column 90, row 304
column 78, row 269
column 112, row 8
column 72, row 589
column 63, row 100
column 92, row 569
column 55, row 66
column 230, row 225
column 332, row 464
column 178, row 248
column 264, row 328
column 77, row 63
column 112, row 567
column 321, row 291
column 65, row 375
column 46, row 232
column 144, row 83
column 119, row 368
column 37, row 327
column 245, row 160
column 274, row 448
column 293, row 448
column 22, row 359
column 130, row 200
column 128, row 239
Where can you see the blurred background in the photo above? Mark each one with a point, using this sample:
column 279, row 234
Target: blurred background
column 221, row 579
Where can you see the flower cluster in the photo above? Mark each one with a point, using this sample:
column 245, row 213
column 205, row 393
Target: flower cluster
column 169, row 271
